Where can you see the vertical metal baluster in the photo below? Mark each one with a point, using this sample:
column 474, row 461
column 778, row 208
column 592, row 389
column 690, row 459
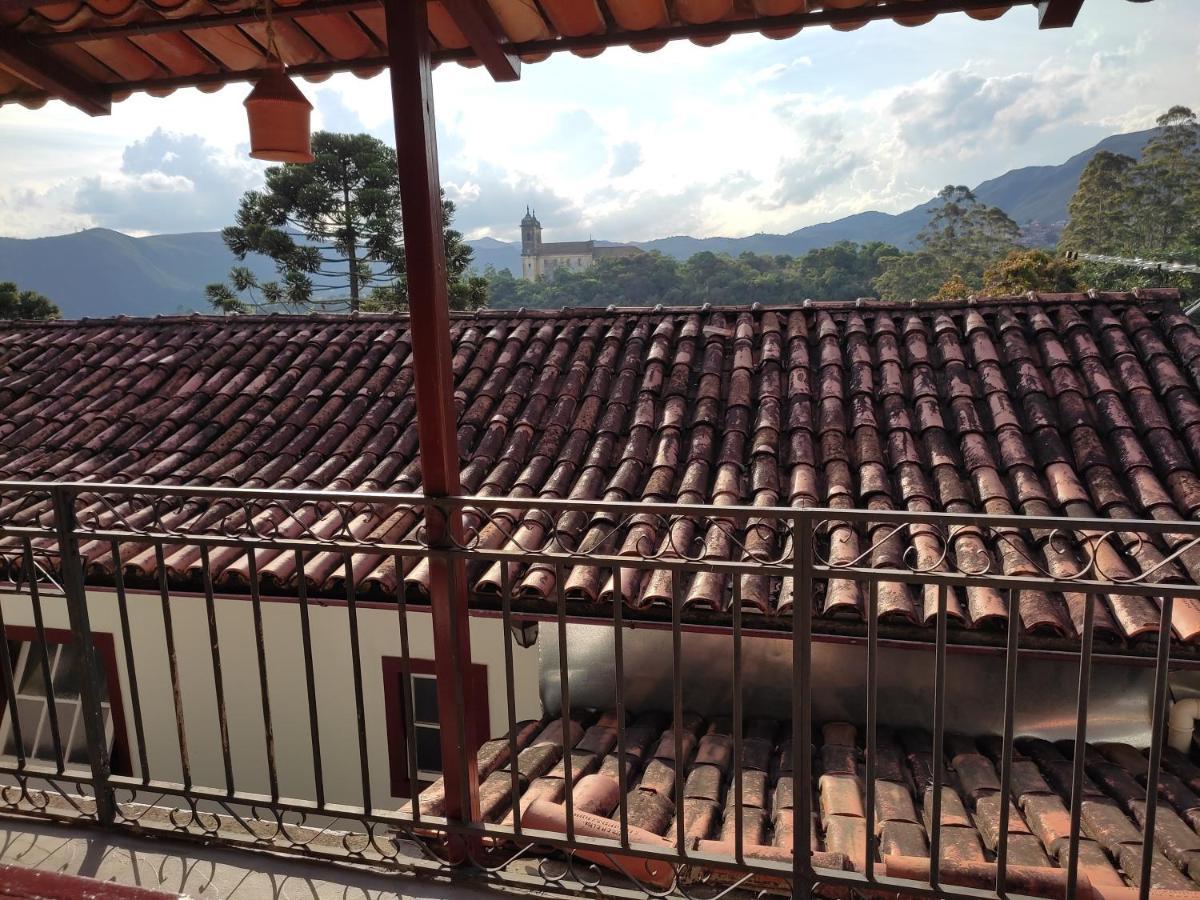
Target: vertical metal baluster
column 1158, row 723
column 410, row 728
column 260, row 646
column 10, row 691
column 939, row 735
column 619, row 689
column 91, row 676
column 453, row 572
column 872, row 714
column 218, row 682
column 35, row 598
column 310, row 682
column 738, row 713
column 1081, row 714
column 565, row 698
column 173, row 664
column 510, row 694
column 1006, row 746
column 135, row 696
column 677, row 701
column 802, row 599
column 360, row 711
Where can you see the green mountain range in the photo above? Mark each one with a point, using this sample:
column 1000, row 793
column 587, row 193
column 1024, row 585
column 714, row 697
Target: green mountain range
column 99, row 272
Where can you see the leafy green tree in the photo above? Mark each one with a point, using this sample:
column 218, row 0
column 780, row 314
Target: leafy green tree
column 1031, row 270
column 333, row 229
column 954, row 288
column 843, row 271
column 963, row 237
column 1166, row 182
column 717, row 278
column 505, row 291
column 1148, row 209
column 1099, row 211
column 911, row 276
column 967, row 235
column 245, row 292
column 466, row 291
column 18, row 304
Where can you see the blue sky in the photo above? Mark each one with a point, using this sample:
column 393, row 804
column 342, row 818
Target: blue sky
column 753, row 135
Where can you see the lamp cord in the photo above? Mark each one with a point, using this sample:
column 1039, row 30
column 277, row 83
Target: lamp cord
column 272, row 47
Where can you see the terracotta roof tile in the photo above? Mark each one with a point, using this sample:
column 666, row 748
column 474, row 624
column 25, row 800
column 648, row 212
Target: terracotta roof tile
column 1059, row 405
column 1113, row 807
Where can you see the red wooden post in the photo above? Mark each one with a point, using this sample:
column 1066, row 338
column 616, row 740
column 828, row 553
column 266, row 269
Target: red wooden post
column 421, row 205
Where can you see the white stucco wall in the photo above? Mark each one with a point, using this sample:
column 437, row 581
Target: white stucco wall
column 379, row 634
column 534, row 267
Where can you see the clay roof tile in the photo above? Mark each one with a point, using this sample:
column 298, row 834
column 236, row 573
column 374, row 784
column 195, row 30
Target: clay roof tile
column 1045, row 406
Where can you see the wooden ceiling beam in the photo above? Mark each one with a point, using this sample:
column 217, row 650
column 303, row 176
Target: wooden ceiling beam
column 41, row 68
column 1058, row 13
column 482, row 29
column 610, row 37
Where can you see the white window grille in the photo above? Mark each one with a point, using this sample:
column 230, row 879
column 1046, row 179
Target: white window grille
column 33, row 704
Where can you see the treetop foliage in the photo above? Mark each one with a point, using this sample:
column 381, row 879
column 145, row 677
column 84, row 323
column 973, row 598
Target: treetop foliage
column 645, row 279
column 1030, row 270
column 18, row 304
column 1147, row 208
column 963, row 237
column 333, row 229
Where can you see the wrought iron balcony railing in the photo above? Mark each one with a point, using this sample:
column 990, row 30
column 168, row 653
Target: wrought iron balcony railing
column 204, row 661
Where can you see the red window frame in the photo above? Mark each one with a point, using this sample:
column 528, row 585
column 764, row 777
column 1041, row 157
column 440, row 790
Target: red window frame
column 394, row 699
column 119, row 758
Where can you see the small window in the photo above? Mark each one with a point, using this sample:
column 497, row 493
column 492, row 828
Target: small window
column 423, row 691
column 410, row 686
column 33, row 703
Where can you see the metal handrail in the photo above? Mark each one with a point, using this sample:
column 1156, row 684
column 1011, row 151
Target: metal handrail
column 107, row 515
column 1190, row 527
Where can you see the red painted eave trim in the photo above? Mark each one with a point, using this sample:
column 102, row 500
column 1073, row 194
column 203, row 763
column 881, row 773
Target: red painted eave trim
column 34, row 884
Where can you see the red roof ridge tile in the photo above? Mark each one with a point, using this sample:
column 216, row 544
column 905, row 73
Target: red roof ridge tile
column 859, row 307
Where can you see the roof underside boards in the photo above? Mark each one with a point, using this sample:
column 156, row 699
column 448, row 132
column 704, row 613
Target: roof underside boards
column 1060, row 405
column 93, row 51
column 1113, row 807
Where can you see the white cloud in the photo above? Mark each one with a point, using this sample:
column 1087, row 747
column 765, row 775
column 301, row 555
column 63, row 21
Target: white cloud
column 168, row 182
column 490, row 201
column 624, row 158
column 770, row 73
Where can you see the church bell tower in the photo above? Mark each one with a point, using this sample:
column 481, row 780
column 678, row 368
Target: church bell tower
column 531, row 234
column 531, row 245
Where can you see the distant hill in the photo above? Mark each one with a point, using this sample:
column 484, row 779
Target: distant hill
column 1040, row 194
column 100, row 272
column 491, row 253
column 899, row 229
column 1035, row 196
